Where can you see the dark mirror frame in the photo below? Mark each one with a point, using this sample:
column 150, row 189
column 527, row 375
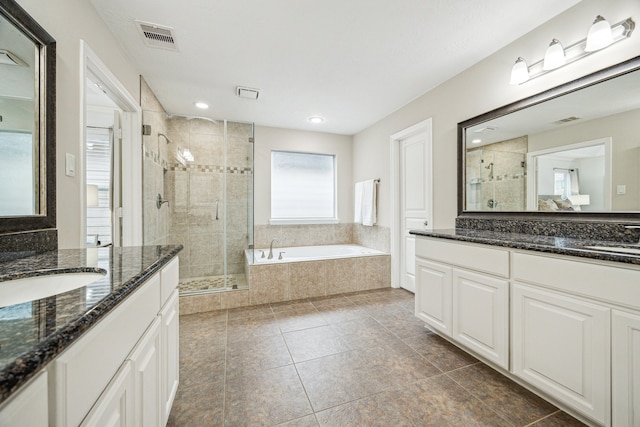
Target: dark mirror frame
column 580, row 83
column 47, row 122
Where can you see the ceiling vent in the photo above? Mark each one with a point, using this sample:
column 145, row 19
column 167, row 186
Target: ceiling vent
column 568, row 119
column 157, row 36
column 247, row 92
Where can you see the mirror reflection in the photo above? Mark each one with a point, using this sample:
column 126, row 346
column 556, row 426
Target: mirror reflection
column 577, row 152
column 19, row 142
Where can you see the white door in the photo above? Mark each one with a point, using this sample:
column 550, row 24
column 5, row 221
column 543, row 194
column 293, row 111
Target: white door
column 415, row 199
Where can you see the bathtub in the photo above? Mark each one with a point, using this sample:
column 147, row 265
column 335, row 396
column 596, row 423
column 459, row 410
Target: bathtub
column 314, row 271
column 309, row 253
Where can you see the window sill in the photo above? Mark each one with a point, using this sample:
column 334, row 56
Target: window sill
column 292, row 221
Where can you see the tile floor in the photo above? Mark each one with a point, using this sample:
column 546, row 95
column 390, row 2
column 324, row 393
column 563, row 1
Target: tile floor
column 360, row 359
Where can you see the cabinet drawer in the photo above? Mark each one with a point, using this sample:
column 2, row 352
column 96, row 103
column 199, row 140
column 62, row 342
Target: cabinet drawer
column 83, row 371
column 605, row 283
column 474, row 257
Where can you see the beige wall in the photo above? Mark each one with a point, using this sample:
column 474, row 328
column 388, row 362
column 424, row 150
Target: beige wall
column 268, row 138
column 624, row 130
column 70, row 21
column 482, row 88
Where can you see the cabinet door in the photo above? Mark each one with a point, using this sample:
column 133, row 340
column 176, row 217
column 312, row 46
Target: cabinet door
column 146, row 368
column 625, row 339
column 481, row 315
column 29, row 406
column 170, row 354
column 115, row 406
column 561, row 345
column 433, row 295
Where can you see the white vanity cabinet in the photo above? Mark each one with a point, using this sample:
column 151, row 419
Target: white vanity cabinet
column 625, row 367
column 115, row 374
column 462, row 292
column 572, row 327
column 29, row 406
column 561, row 345
column 574, row 322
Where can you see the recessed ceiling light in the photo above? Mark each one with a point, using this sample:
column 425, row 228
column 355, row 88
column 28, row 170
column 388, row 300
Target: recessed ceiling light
column 316, row 119
column 476, row 141
column 202, row 105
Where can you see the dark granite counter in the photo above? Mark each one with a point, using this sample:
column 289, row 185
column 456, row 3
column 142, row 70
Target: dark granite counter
column 549, row 244
column 33, row 333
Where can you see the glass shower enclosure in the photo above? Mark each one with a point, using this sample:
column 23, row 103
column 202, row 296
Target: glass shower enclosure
column 198, row 185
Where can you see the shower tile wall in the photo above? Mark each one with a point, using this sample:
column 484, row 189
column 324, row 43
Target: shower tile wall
column 196, row 188
column 156, row 222
column 502, row 186
column 375, row 237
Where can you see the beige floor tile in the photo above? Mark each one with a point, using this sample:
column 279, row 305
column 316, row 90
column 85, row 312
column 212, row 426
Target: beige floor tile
column 513, row 402
column 313, row 343
column 266, row 398
column 444, row 355
column 378, row 410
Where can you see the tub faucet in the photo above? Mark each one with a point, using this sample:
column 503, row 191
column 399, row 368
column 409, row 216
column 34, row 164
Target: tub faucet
column 271, row 248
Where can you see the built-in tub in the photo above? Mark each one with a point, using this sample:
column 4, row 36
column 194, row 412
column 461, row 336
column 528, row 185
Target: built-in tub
column 314, row 271
column 309, row 253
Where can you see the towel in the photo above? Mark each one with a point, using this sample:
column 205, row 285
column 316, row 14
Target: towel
column 357, row 208
column 369, row 215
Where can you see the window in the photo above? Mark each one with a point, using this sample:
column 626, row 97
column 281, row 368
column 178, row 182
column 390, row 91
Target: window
column 16, row 174
column 303, row 187
column 561, row 182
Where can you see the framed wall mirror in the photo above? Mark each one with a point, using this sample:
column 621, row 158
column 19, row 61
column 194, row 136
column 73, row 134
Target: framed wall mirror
column 573, row 150
column 27, row 122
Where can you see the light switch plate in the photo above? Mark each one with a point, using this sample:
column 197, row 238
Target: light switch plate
column 70, row 165
column 621, row 189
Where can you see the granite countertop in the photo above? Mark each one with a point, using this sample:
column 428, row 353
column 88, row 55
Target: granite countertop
column 549, row 244
column 33, row 333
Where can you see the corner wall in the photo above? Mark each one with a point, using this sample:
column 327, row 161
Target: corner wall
column 70, row 21
column 481, row 88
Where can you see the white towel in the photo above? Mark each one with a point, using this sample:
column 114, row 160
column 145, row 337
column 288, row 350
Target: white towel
column 357, row 208
column 369, row 215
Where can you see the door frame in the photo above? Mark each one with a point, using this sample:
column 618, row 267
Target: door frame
column 131, row 166
column 426, row 127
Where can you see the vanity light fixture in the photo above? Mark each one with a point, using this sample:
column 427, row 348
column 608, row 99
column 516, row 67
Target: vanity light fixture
column 519, row 72
column 10, row 58
column 316, row 119
column 201, row 105
column 554, row 56
column 600, row 35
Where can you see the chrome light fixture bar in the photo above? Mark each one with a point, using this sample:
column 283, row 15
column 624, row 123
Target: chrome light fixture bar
column 521, row 73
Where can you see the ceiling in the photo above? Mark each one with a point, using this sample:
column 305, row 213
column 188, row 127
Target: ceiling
column 351, row 62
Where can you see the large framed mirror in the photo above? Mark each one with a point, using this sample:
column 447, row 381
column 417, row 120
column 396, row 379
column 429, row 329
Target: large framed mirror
column 571, row 151
column 27, row 122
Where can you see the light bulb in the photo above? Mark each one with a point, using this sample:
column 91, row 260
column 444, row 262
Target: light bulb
column 519, row 72
column 599, row 35
column 554, row 56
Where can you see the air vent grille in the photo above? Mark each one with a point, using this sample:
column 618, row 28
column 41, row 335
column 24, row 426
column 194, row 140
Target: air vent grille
column 157, row 36
column 568, row 119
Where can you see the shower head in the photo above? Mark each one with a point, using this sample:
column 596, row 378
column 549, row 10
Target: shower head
column 165, row 137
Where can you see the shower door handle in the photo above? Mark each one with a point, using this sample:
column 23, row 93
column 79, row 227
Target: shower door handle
column 217, row 202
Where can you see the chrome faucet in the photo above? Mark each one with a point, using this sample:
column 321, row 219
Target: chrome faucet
column 271, row 248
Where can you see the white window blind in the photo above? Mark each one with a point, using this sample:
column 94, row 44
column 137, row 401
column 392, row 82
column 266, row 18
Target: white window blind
column 98, row 167
column 303, row 186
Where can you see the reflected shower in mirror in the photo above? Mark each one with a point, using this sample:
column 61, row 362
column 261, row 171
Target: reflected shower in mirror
column 573, row 149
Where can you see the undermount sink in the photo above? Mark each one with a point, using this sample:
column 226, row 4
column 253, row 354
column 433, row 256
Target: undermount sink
column 618, row 249
column 37, row 287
